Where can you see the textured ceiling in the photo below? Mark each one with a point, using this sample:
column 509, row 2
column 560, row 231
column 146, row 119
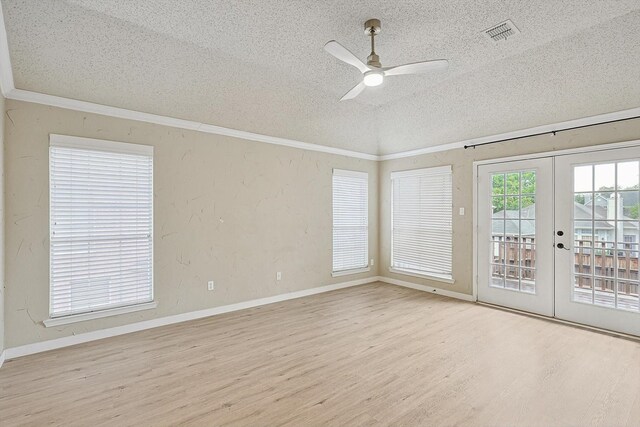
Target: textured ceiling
column 259, row 66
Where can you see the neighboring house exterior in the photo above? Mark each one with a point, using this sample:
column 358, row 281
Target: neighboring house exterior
column 519, row 225
column 604, row 225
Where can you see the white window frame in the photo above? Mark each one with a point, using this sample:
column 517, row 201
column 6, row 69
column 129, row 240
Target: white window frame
column 66, row 141
column 446, row 277
column 365, row 267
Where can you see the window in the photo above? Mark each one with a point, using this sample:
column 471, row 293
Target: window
column 421, row 215
column 101, row 225
column 350, row 222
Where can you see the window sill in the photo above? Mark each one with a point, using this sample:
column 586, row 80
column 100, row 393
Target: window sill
column 348, row 272
column 73, row 318
column 435, row 277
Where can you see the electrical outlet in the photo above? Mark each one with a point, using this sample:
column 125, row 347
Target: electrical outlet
column 210, row 285
column 279, row 275
column 372, row 262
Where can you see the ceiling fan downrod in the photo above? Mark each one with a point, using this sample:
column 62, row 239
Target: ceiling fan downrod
column 372, row 28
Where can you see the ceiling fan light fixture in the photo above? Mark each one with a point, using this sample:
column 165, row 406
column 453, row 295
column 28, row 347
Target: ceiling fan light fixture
column 373, row 78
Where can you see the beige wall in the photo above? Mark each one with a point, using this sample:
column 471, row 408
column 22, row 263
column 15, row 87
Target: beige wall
column 226, row 209
column 2, row 291
column 462, row 162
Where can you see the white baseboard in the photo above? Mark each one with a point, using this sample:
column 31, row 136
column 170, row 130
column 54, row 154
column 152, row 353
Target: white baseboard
column 24, row 350
column 430, row 289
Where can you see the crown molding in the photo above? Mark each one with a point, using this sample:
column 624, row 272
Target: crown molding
column 522, row 133
column 9, row 91
column 89, row 107
column 105, row 110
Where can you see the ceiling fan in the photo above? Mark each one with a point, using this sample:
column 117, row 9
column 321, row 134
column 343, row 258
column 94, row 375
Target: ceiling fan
column 373, row 72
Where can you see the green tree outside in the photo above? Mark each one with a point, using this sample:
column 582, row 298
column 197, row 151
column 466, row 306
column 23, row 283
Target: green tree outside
column 507, row 187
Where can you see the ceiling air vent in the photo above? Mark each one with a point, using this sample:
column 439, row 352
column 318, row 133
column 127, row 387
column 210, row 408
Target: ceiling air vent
column 502, row 31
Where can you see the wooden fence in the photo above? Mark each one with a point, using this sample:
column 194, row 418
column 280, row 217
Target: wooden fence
column 518, row 255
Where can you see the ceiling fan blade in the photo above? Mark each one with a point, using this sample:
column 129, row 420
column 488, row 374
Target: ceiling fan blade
column 355, row 91
column 344, row 55
column 417, row 67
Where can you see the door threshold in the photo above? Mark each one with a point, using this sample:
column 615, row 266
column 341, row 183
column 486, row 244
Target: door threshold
column 564, row 322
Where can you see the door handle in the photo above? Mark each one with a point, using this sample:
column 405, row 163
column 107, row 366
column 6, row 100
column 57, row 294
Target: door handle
column 561, row 246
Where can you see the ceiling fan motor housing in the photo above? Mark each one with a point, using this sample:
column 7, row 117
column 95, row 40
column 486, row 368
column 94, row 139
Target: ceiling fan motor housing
column 373, row 60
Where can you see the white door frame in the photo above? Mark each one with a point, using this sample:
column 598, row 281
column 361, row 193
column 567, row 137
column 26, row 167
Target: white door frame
column 592, row 148
column 541, row 301
column 566, row 305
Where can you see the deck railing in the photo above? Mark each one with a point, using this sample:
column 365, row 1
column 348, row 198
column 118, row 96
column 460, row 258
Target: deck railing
column 594, row 266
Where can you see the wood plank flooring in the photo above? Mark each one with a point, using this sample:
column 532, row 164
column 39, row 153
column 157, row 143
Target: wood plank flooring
column 369, row 355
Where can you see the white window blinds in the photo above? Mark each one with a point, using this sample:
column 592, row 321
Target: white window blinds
column 421, row 221
column 101, row 209
column 350, row 220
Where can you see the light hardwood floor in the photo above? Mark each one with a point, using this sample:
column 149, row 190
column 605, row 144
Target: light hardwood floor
column 370, row 355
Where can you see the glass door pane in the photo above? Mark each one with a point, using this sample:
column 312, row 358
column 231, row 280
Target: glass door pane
column 606, row 231
column 513, row 224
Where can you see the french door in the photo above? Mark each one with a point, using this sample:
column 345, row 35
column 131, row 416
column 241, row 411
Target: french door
column 597, row 224
column 559, row 236
column 515, row 255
